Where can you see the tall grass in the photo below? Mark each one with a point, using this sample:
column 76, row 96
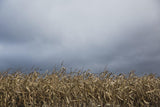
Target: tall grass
column 78, row 89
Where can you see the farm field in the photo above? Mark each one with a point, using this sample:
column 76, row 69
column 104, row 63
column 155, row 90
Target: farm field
column 78, row 89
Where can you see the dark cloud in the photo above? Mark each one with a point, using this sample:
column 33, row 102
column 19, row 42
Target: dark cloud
column 123, row 36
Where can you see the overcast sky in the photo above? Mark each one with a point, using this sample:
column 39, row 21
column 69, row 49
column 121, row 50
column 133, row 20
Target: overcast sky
column 123, row 35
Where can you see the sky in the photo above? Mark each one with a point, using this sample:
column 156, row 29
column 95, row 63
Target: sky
column 122, row 35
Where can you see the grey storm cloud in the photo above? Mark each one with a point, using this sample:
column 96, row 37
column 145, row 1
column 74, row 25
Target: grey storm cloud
column 122, row 35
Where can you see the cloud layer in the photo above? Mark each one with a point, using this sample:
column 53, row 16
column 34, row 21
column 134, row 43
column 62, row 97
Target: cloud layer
column 124, row 35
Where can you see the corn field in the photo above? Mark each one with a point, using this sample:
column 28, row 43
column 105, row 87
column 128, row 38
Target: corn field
column 78, row 89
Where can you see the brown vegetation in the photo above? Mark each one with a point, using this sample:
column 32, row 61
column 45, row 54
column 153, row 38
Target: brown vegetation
column 78, row 89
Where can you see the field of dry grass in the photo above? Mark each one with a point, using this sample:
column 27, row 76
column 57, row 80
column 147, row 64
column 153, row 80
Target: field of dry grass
column 78, row 89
